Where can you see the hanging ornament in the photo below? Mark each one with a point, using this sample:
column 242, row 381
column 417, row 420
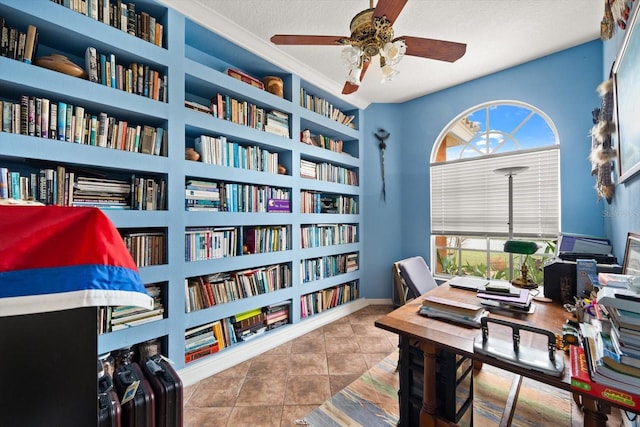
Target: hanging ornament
column 382, row 136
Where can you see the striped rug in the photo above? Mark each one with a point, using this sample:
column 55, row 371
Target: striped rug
column 372, row 401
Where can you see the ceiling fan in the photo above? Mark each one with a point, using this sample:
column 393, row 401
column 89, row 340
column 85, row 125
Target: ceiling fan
column 372, row 34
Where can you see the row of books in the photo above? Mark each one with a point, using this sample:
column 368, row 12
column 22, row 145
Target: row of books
column 121, row 15
column 219, row 151
column 325, row 299
column 204, row 243
column 268, row 238
column 64, row 186
column 43, row 118
column 16, row 43
column 235, row 197
column 325, row 142
column 316, row 235
column 122, row 317
column 146, row 247
column 139, row 79
column 219, row 288
column 240, row 112
column 316, row 202
column 327, row 266
column 207, row 339
column 327, row 172
column 325, row 108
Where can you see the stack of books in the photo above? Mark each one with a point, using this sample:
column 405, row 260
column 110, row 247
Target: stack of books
column 620, row 329
column 503, row 295
column 277, row 123
column 249, row 324
column 442, row 308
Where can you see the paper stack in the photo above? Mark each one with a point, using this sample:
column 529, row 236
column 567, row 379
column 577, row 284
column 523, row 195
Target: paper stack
column 468, row 314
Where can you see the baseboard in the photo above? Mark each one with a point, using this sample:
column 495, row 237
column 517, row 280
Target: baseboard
column 242, row 352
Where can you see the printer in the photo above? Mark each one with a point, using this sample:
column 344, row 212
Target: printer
column 560, row 273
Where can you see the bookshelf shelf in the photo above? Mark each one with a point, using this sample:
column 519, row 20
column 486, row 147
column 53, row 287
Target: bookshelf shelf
column 196, row 61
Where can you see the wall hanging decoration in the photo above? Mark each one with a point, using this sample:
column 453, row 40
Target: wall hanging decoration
column 627, row 101
column 616, row 13
column 602, row 153
column 382, row 135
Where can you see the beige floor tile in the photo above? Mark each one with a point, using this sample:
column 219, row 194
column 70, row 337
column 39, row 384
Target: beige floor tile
column 346, row 363
column 237, row 371
column 249, row 416
column 206, row 417
column 338, row 330
column 338, row 382
column 293, row 413
column 341, row 345
column 375, row 344
column 307, row 390
column 269, row 365
column 281, row 349
column 216, row 391
column 262, row 391
column 308, row 364
column 314, row 344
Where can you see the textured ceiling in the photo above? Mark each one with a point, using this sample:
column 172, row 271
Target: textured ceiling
column 499, row 34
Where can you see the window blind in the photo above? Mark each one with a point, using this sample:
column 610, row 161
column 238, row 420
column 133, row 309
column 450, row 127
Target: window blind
column 469, row 198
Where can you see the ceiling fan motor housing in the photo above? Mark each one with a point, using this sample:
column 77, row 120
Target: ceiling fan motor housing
column 370, row 34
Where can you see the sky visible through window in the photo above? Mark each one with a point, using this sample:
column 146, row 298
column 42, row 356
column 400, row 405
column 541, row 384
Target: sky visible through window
column 503, row 128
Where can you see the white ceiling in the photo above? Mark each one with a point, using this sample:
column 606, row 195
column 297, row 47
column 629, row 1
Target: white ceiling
column 499, row 34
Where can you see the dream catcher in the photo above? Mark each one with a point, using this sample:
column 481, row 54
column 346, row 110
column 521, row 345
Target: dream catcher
column 602, row 154
column 616, row 12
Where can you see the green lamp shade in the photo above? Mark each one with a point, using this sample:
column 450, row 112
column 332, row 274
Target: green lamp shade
column 520, row 247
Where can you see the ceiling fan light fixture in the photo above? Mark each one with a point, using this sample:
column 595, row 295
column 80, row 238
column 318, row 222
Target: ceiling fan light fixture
column 388, row 73
column 393, row 52
column 353, row 76
column 351, row 56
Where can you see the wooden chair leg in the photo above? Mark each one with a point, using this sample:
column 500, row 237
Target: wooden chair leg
column 512, row 400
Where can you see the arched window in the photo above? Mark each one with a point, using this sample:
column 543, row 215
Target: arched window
column 470, row 197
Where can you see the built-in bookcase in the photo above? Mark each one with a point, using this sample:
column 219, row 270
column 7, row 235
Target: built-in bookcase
column 276, row 220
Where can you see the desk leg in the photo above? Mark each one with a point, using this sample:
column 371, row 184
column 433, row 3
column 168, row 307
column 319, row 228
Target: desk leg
column 429, row 410
column 594, row 412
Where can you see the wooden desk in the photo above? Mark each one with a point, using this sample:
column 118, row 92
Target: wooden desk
column 435, row 334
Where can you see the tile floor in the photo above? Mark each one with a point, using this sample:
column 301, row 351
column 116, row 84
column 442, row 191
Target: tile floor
column 286, row 383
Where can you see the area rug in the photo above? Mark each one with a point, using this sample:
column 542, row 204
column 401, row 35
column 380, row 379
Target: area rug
column 372, row 401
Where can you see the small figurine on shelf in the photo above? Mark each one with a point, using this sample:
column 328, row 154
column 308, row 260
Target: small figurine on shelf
column 191, row 154
column 306, row 137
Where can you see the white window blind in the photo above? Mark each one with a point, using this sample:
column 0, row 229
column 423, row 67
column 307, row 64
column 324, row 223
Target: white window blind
column 469, row 198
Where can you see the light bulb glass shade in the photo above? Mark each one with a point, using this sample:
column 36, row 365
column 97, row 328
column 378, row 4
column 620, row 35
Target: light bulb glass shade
column 393, row 52
column 354, row 76
column 388, row 73
column 351, row 56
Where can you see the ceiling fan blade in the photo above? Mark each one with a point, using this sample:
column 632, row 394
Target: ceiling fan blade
column 440, row 50
column 389, row 8
column 291, row 39
column 350, row 87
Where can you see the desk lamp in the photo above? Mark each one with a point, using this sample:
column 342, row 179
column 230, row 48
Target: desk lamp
column 522, row 247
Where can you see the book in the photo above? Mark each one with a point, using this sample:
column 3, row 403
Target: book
column 31, row 41
column 624, row 299
column 581, row 381
column 615, row 280
column 452, row 306
column 586, row 275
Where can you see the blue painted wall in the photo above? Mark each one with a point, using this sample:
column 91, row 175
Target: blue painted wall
column 623, row 215
column 563, row 85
